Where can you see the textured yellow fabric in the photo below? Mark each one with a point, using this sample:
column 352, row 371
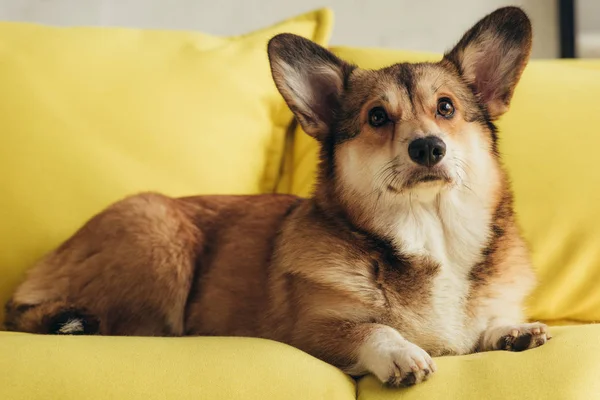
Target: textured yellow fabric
column 567, row 367
column 89, row 115
column 100, row 368
column 548, row 140
column 62, row 367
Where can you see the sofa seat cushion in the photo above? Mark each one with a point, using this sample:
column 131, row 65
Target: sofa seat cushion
column 567, row 367
column 94, row 367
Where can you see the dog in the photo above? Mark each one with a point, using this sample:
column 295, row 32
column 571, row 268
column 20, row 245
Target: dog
column 408, row 248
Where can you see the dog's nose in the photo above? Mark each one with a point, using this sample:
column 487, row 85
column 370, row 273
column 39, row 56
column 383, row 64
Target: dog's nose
column 427, row 151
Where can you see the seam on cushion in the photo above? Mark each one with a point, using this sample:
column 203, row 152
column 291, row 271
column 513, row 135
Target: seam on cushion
column 286, row 165
column 567, row 321
column 319, row 15
column 325, row 22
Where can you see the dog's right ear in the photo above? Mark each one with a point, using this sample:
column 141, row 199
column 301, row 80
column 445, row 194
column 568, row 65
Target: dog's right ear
column 310, row 79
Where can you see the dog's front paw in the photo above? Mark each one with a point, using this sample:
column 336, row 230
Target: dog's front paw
column 395, row 360
column 523, row 337
column 411, row 365
column 518, row 337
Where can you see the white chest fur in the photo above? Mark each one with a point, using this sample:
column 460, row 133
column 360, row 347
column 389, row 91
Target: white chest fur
column 450, row 227
column 448, row 223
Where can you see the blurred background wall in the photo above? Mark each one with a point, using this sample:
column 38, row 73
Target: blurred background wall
column 588, row 28
column 429, row 25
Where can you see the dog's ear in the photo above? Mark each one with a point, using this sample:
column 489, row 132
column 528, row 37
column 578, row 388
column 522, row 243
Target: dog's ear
column 491, row 57
column 310, row 79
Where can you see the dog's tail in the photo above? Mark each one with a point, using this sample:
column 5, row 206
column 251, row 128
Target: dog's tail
column 55, row 318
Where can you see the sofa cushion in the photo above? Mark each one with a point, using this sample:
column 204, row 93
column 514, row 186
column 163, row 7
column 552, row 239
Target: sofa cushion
column 94, row 367
column 89, row 115
column 547, row 139
column 566, row 367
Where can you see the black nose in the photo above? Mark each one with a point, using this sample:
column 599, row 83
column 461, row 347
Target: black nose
column 427, row 151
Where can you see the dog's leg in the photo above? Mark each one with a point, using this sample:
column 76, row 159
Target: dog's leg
column 507, row 329
column 50, row 318
column 500, row 296
column 391, row 358
column 359, row 349
column 130, row 268
column 516, row 337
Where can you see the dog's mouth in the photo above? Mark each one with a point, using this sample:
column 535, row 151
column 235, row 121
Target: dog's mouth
column 430, row 178
column 423, row 176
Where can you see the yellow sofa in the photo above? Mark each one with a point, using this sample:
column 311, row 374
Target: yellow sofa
column 89, row 115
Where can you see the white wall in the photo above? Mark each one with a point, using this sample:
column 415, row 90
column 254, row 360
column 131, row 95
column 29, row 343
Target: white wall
column 587, row 17
column 430, row 25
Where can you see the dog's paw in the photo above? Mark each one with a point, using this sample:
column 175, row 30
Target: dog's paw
column 72, row 321
column 520, row 337
column 411, row 365
column 394, row 360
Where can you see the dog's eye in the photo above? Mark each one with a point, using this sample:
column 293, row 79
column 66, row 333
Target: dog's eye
column 445, row 108
column 378, row 117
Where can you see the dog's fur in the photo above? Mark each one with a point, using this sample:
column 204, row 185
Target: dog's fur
column 387, row 264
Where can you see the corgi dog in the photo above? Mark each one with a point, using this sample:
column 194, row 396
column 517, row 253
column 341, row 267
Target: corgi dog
column 408, row 248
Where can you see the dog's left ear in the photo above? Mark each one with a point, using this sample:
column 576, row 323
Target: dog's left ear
column 310, row 79
column 491, row 57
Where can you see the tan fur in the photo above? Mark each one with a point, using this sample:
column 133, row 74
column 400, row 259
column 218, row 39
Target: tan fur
column 377, row 272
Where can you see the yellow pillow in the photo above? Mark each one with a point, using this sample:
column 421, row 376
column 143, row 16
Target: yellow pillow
column 548, row 140
column 89, row 115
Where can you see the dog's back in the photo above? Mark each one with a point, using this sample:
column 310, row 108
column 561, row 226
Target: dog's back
column 149, row 262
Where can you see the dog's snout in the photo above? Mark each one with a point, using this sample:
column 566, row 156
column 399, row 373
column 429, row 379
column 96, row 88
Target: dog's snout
column 427, row 151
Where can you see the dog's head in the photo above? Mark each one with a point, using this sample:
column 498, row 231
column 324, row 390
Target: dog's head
column 407, row 128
